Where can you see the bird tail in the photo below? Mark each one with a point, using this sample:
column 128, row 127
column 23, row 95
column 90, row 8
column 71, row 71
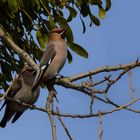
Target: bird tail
column 7, row 116
column 3, row 123
column 38, row 79
column 17, row 115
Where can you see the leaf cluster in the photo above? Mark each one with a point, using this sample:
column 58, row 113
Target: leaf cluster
column 28, row 23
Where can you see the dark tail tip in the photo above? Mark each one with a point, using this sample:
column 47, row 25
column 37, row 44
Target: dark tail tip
column 3, row 124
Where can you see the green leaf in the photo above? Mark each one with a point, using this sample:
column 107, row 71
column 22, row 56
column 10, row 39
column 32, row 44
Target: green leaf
column 27, row 21
column 84, row 26
column 85, row 10
column 72, row 14
column 6, row 70
column 63, row 23
column 69, row 56
column 78, row 49
column 95, row 2
column 101, row 12
column 42, row 37
column 95, row 20
column 35, row 4
column 108, row 5
column 13, row 5
column 51, row 22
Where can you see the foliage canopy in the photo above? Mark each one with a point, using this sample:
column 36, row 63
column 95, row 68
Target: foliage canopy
column 22, row 19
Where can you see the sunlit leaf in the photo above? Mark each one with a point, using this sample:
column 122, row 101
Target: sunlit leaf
column 101, row 12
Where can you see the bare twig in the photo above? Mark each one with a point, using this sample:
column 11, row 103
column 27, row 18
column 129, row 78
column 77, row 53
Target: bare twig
column 62, row 123
column 91, row 102
column 100, row 130
column 131, row 84
column 77, row 115
column 111, row 82
column 103, row 113
column 105, row 69
column 52, row 93
column 92, row 94
column 102, row 81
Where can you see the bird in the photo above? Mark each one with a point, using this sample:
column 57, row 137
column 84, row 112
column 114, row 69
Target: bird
column 21, row 89
column 54, row 57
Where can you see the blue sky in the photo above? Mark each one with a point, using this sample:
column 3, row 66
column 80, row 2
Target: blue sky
column 116, row 41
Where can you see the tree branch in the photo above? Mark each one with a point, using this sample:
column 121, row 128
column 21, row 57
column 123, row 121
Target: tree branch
column 76, row 115
column 52, row 93
column 64, row 126
column 17, row 49
column 105, row 69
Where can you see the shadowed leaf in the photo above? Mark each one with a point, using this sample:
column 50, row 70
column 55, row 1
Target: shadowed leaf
column 78, row 49
column 72, row 14
column 108, row 5
column 63, row 23
column 84, row 26
column 42, row 37
column 13, row 5
column 85, row 10
column 69, row 56
column 95, row 20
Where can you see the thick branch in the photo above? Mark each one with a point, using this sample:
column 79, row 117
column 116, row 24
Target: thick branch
column 105, row 69
column 18, row 50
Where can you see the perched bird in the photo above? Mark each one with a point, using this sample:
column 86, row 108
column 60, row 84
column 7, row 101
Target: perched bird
column 53, row 58
column 21, row 90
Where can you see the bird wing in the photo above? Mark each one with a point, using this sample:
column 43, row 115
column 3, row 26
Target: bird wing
column 14, row 89
column 48, row 54
column 44, row 63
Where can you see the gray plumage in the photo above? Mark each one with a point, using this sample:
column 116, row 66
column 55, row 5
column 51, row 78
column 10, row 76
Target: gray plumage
column 53, row 58
column 21, row 90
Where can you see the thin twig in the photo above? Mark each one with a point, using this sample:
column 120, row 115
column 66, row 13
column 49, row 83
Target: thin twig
column 76, row 115
column 131, row 84
column 92, row 94
column 100, row 130
column 103, row 113
column 111, row 82
column 52, row 93
column 102, row 81
column 105, row 69
column 62, row 123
